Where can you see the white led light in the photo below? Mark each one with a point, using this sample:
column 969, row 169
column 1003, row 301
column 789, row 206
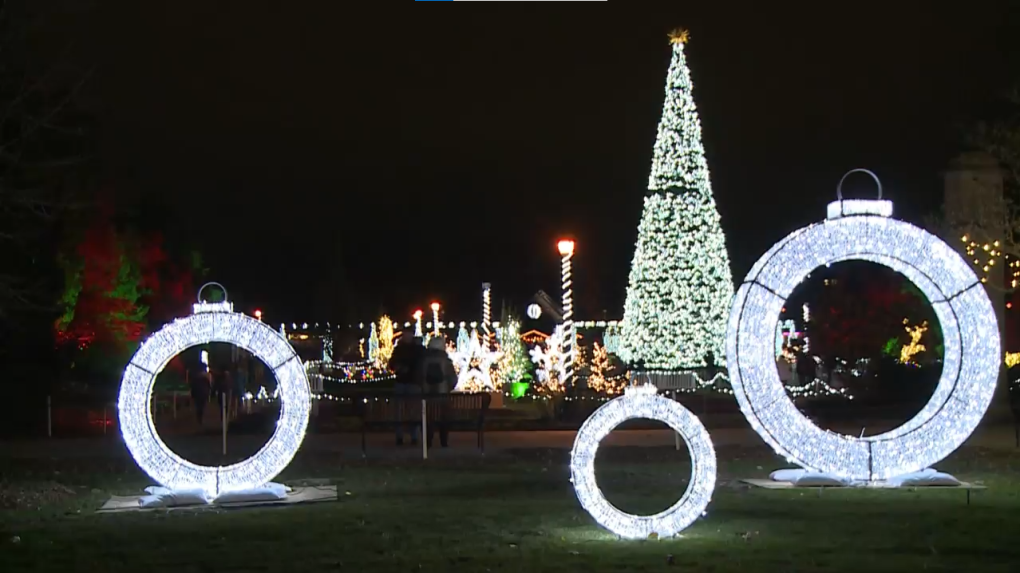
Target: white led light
column 643, row 402
column 680, row 285
column 213, row 323
column 969, row 328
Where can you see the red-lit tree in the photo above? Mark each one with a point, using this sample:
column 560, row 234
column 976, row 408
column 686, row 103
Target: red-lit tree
column 860, row 307
column 118, row 285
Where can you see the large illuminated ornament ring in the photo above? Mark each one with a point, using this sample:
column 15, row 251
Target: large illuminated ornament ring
column 643, row 402
column 213, row 322
column 864, row 230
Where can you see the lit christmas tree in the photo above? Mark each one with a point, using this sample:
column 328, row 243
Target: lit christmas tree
column 385, row 350
column 373, row 345
column 680, row 286
column 514, row 363
column 463, row 340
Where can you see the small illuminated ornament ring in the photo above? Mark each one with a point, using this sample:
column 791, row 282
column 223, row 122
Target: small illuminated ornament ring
column 864, row 230
column 643, row 402
column 213, row 322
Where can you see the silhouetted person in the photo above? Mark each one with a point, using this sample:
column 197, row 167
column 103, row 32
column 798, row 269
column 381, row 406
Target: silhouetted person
column 404, row 363
column 806, row 368
column 200, row 392
column 436, row 376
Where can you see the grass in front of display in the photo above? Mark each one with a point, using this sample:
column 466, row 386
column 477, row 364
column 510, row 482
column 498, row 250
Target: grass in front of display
column 510, row 512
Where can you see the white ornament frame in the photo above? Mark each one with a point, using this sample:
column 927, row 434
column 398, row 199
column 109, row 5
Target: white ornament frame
column 864, row 230
column 213, row 322
column 643, row 402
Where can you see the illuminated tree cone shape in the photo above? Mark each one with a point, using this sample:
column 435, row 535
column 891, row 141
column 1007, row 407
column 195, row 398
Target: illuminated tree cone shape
column 213, row 322
column 680, row 285
column 864, row 230
column 643, row 402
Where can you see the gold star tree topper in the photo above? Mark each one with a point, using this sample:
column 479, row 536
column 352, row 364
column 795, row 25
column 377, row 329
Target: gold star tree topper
column 679, row 36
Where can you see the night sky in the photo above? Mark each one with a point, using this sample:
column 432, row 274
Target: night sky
column 333, row 164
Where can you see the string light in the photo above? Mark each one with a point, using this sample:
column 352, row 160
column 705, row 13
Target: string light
column 417, row 324
column 970, row 332
column 386, row 335
column 213, row 322
column 566, row 249
column 915, row 347
column 435, row 319
column 551, row 360
column 373, row 344
column 599, row 366
column 680, row 286
column 642, row 402
column 474, row 367
column 513, row 364
column 487, row 312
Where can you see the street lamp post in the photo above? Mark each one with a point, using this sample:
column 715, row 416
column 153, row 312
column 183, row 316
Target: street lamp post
column 566, row 249
column 487, row 313
column 417, row 324
column 435, row 319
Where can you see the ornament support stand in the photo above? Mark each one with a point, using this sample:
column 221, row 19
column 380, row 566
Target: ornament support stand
column 223, row 422
column 424, row 430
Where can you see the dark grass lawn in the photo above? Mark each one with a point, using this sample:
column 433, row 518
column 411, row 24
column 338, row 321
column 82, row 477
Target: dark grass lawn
column 511, row 512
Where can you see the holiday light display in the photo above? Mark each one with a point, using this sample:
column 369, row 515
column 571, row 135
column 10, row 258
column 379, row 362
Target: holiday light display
column 487, row 313
column 864, row 230
column 611, row 339
column 417, row 324
column 373, row 344
column 552, row 362
column 435, row 319
column 386, row 336
column 213, row 322
column 513, row 364
column 463, row 340
column 644, row 403
column 474, row 367
column 680, row 284
column 783, row 329
column 914, row 347
column 566, row 249
column 599, row 379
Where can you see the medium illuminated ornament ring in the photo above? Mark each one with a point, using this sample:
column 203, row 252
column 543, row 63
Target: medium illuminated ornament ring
column 643, row 402
column 864, row 230
column 213, row 322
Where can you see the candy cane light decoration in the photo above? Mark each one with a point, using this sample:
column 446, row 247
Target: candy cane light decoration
column 566, row 249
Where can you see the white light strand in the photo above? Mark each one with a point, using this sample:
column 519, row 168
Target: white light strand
column 569, row 331
column 643, row 403
column 551, row 360
column 373, row 344
column 970, row 334
column 680, row 286
column 474, row 367
column 139, row 431
column 487, row 313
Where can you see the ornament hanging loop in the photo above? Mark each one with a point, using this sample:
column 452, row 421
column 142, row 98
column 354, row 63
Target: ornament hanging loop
column 839, row 188
column 216, row 284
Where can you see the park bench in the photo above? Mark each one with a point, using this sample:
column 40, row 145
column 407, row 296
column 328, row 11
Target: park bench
column 460, row 411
